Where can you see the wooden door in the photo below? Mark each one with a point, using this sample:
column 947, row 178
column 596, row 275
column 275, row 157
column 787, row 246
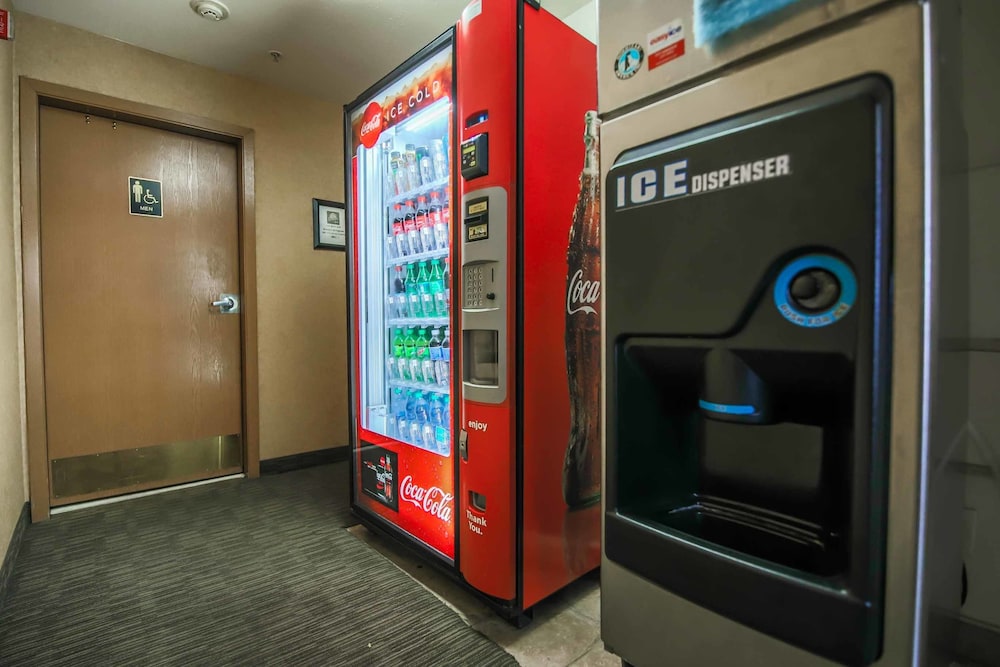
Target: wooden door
column 142, row 372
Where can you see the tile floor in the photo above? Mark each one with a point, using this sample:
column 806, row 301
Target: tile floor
column 565, row 630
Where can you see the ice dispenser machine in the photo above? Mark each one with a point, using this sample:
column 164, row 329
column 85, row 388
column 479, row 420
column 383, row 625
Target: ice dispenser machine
column 747, row 370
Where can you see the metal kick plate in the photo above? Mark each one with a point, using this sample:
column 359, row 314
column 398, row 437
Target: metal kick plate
column 126, row 468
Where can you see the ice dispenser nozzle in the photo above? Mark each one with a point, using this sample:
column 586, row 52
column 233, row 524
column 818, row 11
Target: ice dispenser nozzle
column 732, row 391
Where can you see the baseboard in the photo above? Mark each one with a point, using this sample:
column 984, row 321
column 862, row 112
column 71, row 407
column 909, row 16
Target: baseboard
column 12, row 550
column 978, row 644
column 304, row 460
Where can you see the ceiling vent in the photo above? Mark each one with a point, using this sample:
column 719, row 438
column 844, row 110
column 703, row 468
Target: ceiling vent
column 210, row 9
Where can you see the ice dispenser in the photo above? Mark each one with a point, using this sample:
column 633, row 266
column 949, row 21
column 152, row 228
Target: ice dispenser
column 747, row 296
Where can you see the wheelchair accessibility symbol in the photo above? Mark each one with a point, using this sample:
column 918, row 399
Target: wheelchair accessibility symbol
column 145, row 197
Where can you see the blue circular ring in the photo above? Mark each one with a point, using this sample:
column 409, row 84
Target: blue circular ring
column 848, row 291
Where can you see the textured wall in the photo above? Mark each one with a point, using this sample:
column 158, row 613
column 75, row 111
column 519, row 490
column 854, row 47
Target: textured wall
column 299, row 154
column 12, row 494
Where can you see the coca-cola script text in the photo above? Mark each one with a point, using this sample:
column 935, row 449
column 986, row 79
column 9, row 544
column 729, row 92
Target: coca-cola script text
column 433, row 501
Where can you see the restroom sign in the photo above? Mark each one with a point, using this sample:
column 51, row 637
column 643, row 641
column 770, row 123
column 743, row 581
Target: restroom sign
column 145, row 197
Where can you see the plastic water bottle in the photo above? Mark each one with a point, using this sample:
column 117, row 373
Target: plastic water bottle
column 442, row 365
column 436, row 288
column 399, row 232
column 401, row 305
column 436, row 218
column 397, row 402
column 426, row 229
column 412, row 293
column 434, row 348
column 435, row 410
column 424, row 289
column 410, row 226
column 397, row 413
column 406, row 430
column 409, row 355
column 423, row 354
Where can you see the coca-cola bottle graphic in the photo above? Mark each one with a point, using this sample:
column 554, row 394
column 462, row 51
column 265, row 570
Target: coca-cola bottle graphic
column 581, row 479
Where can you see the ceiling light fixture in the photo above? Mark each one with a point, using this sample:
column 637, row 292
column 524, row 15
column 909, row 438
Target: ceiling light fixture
column 210, row 9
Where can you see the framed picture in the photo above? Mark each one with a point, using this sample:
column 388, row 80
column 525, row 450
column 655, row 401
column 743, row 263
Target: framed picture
column 329, row 222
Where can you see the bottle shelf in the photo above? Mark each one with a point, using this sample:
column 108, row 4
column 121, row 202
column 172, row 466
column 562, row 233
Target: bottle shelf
column 439, row 184
column 419, row 321
column 419, row 257
column 421, row 386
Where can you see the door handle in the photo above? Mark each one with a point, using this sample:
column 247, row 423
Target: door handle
column 227, row 303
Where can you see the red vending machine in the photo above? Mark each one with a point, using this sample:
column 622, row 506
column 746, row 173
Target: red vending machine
column 472, row 171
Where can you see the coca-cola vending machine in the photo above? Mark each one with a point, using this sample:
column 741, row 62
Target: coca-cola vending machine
column 472, row 171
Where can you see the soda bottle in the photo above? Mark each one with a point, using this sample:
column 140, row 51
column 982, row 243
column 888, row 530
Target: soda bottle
column 419, row 425
column 399, row 231
column 424, row 289
column 413, row 361
column 400, row 305
column 410, row 226
column 446, row 281
column 436, row 289
column 412, row 293
column 440, row 159
column 581, row 479
column 426, row 165
column 412, row 168
column 398, row 346
column 434, row 348
column 424, row 357
column 410, row 353
column 446, row 212
column 426, row 230
column 435, row 414
column 441, row 365
column 437, row 220
column 390, row 240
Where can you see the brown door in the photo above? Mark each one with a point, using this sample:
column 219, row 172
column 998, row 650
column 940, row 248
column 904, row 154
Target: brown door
column 142, row 372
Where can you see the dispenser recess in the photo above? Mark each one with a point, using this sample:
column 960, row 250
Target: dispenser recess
column 748, row 297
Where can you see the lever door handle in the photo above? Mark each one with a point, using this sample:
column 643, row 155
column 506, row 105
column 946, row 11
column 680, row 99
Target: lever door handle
column 227, row 303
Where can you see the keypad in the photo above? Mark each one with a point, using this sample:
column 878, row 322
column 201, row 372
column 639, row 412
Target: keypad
column 474, row 287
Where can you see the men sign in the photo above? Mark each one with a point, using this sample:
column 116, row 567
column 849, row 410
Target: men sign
column 145, row 197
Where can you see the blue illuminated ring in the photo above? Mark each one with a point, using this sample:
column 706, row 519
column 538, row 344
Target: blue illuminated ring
column 848, row 291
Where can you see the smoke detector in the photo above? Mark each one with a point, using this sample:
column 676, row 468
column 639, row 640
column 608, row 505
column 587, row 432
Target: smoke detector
column 210, row 9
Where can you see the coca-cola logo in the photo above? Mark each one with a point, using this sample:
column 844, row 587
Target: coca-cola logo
column 371, row 125
column 582, row 295
column 433, row 501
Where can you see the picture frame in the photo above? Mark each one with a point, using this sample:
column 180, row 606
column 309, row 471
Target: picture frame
column 329, row 225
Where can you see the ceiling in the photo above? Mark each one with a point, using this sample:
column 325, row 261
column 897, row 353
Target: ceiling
column 332, row 49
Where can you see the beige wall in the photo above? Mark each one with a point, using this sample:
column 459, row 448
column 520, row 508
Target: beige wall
column 299, row 154
column 12, row 495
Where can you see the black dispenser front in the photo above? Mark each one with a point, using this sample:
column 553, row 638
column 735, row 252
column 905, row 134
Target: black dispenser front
column 748, row 296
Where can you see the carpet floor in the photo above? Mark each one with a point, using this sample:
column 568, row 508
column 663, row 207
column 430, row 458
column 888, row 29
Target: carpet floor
column 248, row 572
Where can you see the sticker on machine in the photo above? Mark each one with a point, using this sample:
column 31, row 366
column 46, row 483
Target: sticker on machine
column 664, row 44
column 628, row 61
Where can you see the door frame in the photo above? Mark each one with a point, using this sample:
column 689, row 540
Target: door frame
column 35, row 94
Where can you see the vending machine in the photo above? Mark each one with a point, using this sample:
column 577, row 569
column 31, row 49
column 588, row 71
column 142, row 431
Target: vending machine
column 785, row 262
column 475, row 296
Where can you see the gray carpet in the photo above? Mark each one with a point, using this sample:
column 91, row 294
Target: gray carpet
column 255, row 572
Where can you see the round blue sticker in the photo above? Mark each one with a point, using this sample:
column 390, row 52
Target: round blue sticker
column 848, row 291
column 628, row 61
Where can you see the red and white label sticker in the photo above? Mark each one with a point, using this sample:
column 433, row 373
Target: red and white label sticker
column 371, row 125
column 664, row 44
column 4, row 24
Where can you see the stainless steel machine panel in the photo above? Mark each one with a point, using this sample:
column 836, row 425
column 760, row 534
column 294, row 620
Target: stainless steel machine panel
column 648, row 625
column 670, row 34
